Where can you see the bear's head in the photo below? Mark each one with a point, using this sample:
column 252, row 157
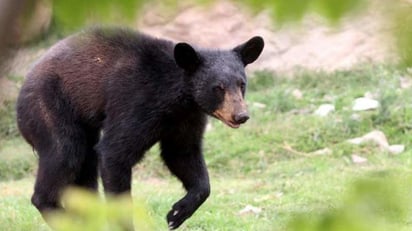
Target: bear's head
column 217, row 78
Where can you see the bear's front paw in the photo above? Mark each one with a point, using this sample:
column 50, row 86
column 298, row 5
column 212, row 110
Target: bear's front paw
column 177, row 216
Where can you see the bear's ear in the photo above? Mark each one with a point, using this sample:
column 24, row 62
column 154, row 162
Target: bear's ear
column 186, row 57
column 250, row 50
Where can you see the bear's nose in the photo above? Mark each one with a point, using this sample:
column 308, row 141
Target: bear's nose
column 241, row 118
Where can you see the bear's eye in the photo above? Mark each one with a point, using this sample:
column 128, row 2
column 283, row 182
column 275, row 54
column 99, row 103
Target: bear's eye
column 219, row 88
column 242, row 86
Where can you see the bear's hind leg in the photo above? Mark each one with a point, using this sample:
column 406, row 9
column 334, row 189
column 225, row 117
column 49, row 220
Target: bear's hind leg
column 48, row 122
column 59, row 165
column 88, row 174
column 49, row 182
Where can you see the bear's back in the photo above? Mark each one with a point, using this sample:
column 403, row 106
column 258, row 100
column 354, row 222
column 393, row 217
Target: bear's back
column 98, row 52
column 87, row 62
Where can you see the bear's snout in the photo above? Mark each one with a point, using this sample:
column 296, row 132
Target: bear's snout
column 241, row 117
column 233, row 111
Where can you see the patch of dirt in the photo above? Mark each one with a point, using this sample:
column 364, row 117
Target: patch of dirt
column 313, row 44
column 310, row 44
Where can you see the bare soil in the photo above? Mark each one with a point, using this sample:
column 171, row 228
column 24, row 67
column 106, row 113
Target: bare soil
column 312, row 43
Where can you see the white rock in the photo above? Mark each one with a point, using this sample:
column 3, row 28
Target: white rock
column 357, row 140
column 377, row 137
column 396, row 148
column 250, row 209
column 358, row 159
column 297, row 94
column 363, row 104
column 324, row 109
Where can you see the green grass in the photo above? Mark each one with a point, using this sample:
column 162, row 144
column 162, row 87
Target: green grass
column 268, row 162
column 17, row 160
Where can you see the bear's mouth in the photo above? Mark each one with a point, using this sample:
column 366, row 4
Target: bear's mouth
column 225, row 121
column 231, row 124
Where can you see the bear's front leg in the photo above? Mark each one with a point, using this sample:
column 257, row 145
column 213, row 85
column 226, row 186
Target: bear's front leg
column 127, row 136
column 116, row 174
column 121, row 147
column 185, row 160
column 115, row 163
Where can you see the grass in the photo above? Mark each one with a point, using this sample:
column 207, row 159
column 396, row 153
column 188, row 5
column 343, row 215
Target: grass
column 17, row 160
column 269, row 162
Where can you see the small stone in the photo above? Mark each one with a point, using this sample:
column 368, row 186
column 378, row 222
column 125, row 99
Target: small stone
column 324, row 110
column 358, row 159
column 356, row 141
column 297, row 94
column 396, row 148
column 248, row 209
column 364, row 104
column 377, row 137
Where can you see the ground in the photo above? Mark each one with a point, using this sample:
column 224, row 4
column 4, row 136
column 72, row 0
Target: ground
column 271, row 162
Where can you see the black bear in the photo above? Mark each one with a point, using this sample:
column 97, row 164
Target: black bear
column 97, row 100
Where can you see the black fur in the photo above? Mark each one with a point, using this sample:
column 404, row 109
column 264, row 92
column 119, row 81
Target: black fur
column 138, row 90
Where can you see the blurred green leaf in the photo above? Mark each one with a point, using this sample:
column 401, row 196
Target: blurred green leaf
column 377, row 203
column 87, row 211
column 402, row 25
column 286, row 10
column 336, row 9
column 74, row 13
column 292, row 10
